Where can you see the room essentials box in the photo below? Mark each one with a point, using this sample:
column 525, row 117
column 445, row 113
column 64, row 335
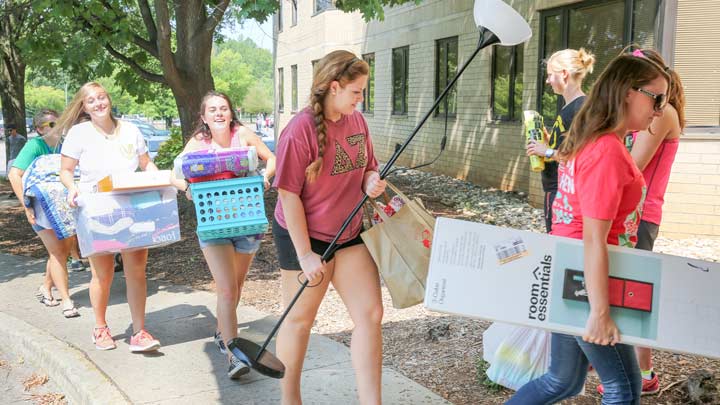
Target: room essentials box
column 116, row 221
column 537, row 280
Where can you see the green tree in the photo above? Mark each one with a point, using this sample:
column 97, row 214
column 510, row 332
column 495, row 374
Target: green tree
column 258, row 99
column 232, row 76
column 15, row 21
column 40, row 97
column 168, row 43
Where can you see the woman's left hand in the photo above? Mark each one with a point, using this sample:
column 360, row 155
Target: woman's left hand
column 266, row 183
column 536, row 148
column 600, row 329
column 374, row 186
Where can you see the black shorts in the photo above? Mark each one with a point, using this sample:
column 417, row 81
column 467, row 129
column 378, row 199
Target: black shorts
column 646, row 235
column 287, row 256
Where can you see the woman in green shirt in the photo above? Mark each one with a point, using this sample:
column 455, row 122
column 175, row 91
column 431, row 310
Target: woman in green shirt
column 58, row 250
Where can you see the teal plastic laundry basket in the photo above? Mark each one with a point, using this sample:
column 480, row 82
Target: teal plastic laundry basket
column 228, row 208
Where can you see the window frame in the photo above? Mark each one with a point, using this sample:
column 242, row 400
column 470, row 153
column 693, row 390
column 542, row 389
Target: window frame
column 510, row 117
column 317, row 11
column 294, row 9
column 564, row 13
column 404, row 96
column 438, row 43
column 280, row 16
column 281, row 90
column 368, row 108
column 294, row 88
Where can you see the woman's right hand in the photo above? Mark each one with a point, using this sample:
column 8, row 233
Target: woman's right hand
column 600, row 329
column 313, row 267
column 30, row 214
column 72, row 198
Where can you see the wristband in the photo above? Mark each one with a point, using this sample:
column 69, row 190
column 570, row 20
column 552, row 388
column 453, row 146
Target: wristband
column 549, row 153
column 305, row 256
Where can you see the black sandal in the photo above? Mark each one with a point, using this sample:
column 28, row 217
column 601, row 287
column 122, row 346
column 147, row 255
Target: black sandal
column 71, row 312
column 48, row 301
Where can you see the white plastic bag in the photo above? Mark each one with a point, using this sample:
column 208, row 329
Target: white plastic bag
column 523, row 356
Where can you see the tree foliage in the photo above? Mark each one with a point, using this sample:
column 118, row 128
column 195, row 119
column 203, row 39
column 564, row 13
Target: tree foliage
column 370, row 9
column 168, row 43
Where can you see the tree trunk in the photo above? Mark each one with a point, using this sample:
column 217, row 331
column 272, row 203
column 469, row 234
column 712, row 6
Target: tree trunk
column 187, row 70
column 12, row 83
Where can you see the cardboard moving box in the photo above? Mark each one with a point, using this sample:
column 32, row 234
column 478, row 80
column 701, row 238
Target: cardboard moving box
column 536, row 280
column 134, row 181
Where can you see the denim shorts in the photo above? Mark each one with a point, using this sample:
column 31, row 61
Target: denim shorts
column 37, row 228
column 243, row 244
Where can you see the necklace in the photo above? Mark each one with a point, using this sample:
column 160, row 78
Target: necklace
column 108, row 136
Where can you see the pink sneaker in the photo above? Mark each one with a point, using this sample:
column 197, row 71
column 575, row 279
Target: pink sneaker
column 649, row 387
column 103, row 339
column 143, row 342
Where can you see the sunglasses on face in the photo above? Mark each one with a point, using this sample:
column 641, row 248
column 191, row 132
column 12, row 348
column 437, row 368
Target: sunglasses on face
column 50, row 124
column 660, row 99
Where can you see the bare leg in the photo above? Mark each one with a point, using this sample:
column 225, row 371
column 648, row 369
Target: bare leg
column 221, row 260
column 644, row 356
column 358, row 283
column 242, row 267
column 57, row 261
column 134, row 264
column 294, row 334
column 74, row 249
column 102, row 276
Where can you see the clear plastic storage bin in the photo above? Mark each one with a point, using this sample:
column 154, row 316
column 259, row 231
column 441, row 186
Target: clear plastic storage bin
column 116, row 221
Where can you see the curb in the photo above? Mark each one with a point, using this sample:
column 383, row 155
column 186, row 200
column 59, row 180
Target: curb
column 81, row 381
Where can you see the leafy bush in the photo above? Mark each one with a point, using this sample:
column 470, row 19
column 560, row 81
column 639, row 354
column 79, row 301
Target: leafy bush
column 481, row 375
column 170, row 149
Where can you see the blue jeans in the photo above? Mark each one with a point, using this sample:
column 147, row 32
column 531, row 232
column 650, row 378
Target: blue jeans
column 569, row 359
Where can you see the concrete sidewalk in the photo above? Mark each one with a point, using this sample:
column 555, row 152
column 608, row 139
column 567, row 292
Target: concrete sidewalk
column 188, row 369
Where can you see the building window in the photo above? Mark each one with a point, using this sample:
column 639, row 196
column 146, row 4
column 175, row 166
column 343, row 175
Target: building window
column 322, row 5
column 400, row 62
column 280, row 16
column 507, row 83
column 280, row 91
column 314, row 65
column 368, row 104
column 293, row 3
column 446, row 58
column 603, row 28
column 293, row 72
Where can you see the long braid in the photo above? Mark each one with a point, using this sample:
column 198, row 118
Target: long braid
column 313, row 171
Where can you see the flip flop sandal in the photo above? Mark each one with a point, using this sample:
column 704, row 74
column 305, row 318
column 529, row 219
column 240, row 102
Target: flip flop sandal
column 70, row 312
column 45, row 300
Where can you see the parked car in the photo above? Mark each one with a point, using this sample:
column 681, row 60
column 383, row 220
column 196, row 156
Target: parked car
column 153, row 136
column 154, row 144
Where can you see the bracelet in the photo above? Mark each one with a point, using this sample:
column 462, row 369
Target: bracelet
column 187, row 187
column 305, row 256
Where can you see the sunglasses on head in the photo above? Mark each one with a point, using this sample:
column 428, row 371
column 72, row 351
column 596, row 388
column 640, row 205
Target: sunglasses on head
column 50, row 124
column 660, row 99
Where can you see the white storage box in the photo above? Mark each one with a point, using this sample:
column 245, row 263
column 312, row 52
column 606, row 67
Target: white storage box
column 117, row 221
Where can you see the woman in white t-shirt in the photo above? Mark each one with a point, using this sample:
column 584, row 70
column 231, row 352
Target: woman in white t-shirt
column 101, row 145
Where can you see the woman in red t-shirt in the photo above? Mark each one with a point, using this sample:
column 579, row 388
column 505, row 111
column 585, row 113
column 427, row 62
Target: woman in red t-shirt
column 654, row 152
column 325, row 166
column 600, row 193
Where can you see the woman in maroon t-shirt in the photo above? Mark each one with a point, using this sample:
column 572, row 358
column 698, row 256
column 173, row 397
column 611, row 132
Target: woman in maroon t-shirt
column 325, row 166
column 599, row 195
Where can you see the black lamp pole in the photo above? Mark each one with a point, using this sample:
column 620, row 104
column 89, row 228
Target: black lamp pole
column 487, row 38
